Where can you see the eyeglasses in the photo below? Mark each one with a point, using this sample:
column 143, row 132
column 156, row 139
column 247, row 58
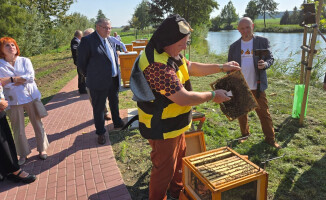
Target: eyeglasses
column 105, row 28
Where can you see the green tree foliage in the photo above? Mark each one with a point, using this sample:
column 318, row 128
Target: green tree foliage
column 266, row 7
column 196, row 12
column 141, row 18
column 285, row 18
column 294, row 17
column 216, row 23
column 251, row 10
column 37, row 29
column 229, row 15
column 100, row 14
column 53, row 10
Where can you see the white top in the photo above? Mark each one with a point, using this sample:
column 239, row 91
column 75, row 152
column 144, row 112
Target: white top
column 247, row 63
column 21, row 94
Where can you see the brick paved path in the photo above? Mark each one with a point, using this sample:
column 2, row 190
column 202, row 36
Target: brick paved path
column 77, row 166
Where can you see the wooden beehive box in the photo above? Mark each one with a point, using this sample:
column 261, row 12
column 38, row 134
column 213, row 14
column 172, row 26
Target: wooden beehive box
column 223, row 174
column 126, row 62
column 138, row 49
column 138, row 43
column 129, row 47
column 195, row 142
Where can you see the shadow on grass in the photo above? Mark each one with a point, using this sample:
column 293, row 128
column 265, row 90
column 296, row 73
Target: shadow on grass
column 139, row 191
column 310, row 185
column 287, row 129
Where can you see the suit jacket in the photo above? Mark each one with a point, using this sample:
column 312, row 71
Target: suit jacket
column 73, row 46
column 258, row 43
column 95, row 64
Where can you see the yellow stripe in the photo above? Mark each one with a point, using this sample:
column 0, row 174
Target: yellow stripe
column 145, row 118
column 174, row 110
column 176, row 133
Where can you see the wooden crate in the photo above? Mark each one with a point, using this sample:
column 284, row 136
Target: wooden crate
column 195, row 142
column 129, row 47
column 138, row 43
column 126, row 62
column 223, row 174
column 138, row 49
column 144, row 40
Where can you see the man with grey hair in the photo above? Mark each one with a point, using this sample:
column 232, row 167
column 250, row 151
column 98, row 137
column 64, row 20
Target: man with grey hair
column 88, row 31
column 254, row 71
column 73, row 46
column 106, row 108
column 98, row 60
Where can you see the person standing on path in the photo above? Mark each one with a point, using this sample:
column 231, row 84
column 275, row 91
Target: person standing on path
column 98, row 61
column 73, row 46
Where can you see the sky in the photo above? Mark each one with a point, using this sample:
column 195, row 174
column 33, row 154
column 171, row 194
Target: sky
column 121, row 11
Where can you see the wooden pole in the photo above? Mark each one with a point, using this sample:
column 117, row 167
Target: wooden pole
column 303, row 56
column 310, row 62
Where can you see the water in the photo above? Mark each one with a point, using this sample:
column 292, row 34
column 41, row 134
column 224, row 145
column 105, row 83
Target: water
column 283, row 45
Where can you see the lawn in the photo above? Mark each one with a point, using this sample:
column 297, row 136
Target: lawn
column 300, row 175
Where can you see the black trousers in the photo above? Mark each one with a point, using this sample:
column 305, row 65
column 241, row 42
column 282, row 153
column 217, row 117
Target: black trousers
column 98, row 102
column 81, row 82
column 8, row 154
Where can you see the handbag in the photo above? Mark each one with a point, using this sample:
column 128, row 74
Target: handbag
column 39, row 108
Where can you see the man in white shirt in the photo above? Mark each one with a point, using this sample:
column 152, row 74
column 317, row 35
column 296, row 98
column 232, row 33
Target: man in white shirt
column 254, row 71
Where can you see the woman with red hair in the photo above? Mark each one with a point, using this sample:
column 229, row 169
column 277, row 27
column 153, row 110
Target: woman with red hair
column 20, row 94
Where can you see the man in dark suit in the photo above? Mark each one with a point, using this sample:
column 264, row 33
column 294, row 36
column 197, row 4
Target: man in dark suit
column 73, row 46
column 254, row 71
column 98, row 61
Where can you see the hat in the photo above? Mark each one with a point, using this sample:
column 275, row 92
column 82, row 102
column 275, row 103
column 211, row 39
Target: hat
column 170, row 31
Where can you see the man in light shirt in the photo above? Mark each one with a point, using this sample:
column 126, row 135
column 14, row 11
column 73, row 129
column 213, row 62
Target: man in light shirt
column 254, row 71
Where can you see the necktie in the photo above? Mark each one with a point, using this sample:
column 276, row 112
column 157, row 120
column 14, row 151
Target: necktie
column 110, row 53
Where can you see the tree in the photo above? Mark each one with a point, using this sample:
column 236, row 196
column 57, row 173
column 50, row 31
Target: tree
column 285, row 18
column 216, row 23
column 251, row 10
column 141, row 15
column 294, row 17
column 196, row 12
column 100, row 14
column 266, row 7
column 228, row 14
column 53, row 10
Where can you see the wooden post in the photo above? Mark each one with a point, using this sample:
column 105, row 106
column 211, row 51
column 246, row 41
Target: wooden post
column 310, row 62
column 303, row 57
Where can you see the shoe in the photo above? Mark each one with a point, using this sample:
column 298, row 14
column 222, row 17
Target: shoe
column 244, row 139
column 16, row 178
column 119, row 126
column 83, row 92
column 107, row 117
column 22, row 161
column 101, row 139
column 274, row 144
column 43, row 156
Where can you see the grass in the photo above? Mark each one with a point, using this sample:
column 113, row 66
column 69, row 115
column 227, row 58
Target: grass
column 300, row 175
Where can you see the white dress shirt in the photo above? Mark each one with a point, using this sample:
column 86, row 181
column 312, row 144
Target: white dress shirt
column 21, row 94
